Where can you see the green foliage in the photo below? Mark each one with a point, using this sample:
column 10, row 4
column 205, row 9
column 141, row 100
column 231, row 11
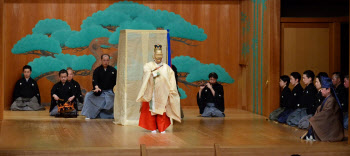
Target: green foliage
column 47, row 64
column 182, row 94
column 198, row 71
column 204, row 70
column 185, row 64
column 62, row 36
column 49, row 26
column 36, row 42
column 85, row 36
column 105, row 18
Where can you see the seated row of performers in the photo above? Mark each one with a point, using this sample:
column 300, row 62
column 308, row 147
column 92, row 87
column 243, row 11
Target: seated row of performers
column 100, row 101
column 27, row 96
column 322, row 108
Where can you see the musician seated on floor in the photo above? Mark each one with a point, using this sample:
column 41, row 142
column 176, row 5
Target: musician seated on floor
column 62, row 92
column 327, row 124
column 99, row 102
column 284, row 98
column 210, row 98
column 26, row 94
column 76, row 85
column 346, row 102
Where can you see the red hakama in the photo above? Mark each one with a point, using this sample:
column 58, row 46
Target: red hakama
column 153, row 122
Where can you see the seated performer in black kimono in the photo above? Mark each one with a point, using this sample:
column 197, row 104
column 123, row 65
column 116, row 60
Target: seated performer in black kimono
column 75, row 84
column 99, row 103
column 339, row 87
column 346, row 102
column 311, row 109
column 26, row 94
column 285, row 96
column 210, row 98
column 307, row 100
column 62, row 92
column 295, row 99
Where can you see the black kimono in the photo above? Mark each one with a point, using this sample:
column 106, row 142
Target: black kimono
column 104, row 79
column 26, row 96
column 296, row 99
column 26, row 89
column 293, row 104
column 342, row 94
column 207, row 97
column 345, row 104
column 78, row 94
column 284, row 99
column 309, row 98
column 100, row 104
column 63, row 92
column 317, row 102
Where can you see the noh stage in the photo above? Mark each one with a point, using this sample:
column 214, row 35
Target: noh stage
column 239, row 133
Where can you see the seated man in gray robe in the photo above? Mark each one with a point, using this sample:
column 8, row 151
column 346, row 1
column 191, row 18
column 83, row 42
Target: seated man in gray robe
column 77, row 88
column 210, row 98
column 99, row 103
column 26, row 94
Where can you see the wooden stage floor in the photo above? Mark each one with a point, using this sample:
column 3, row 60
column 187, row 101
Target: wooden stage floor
column 239, row 133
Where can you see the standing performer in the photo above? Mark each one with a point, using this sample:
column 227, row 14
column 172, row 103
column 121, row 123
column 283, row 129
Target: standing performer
column 158, row 94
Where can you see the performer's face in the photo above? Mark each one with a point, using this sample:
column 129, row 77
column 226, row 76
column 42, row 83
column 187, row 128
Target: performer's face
column 158, row 56
column 63, row 77
column 282, row 83
column 335, row 80
column 306, row 80
column 26, row 73
column 212, row 80
column 346, row 83
column 293, row 81
column 70, row 75
column 325, row 92
column 105, row 61
column 318, row 83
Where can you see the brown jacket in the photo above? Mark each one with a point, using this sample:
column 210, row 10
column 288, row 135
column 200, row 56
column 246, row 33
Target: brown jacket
column 327, row 124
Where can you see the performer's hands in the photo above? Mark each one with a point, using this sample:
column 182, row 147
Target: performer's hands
column 71, row 98
column 209, row 86
column 97, row 89
column 55, row 97
column 155, row 74
column 201, row 88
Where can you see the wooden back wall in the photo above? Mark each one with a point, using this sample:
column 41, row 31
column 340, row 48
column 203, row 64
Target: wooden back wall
column 219, row 19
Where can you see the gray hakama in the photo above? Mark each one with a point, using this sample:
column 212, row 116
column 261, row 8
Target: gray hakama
column 80, row 105
column 26, row 104
column 99, row 106
column 274, row 115
column 211, row 111
column 294, row 118
column 304, row 122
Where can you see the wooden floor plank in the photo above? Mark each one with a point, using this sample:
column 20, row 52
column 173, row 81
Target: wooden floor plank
column 239, row 133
